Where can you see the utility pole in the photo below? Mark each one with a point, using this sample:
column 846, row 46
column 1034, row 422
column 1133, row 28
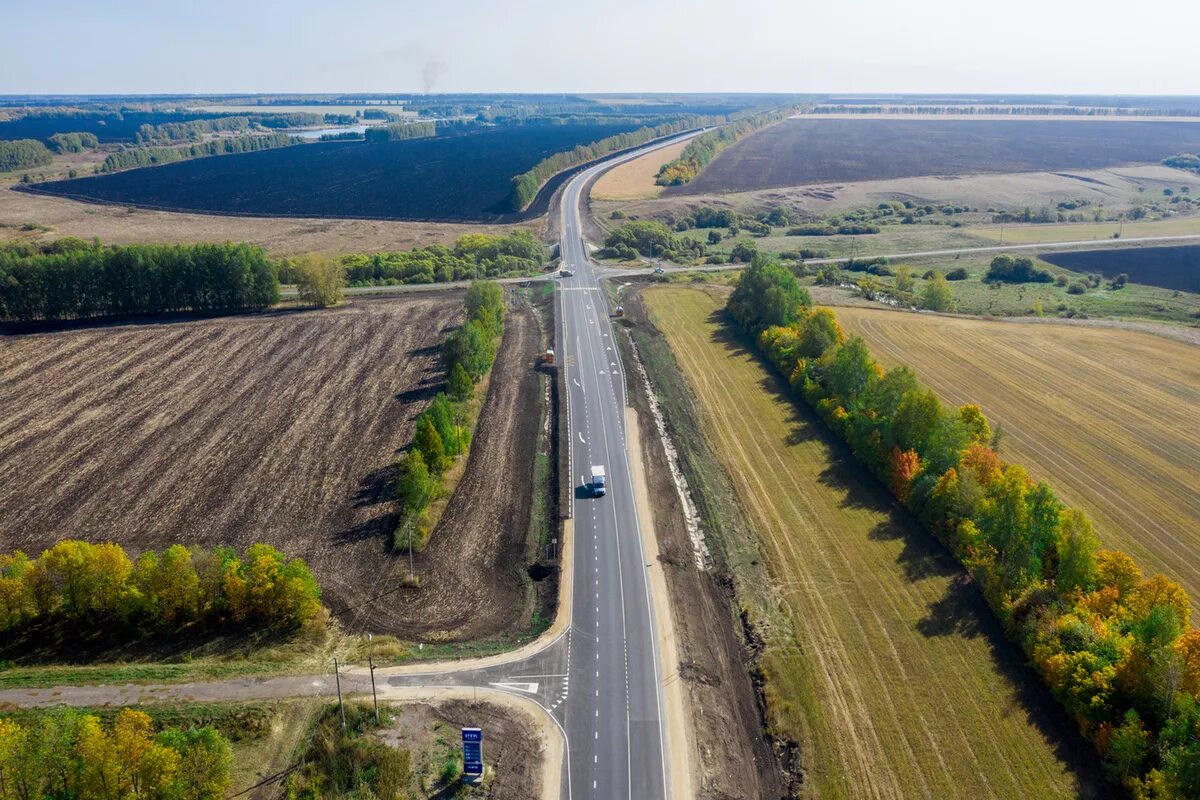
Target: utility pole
column 341, row 708
column 371, row 664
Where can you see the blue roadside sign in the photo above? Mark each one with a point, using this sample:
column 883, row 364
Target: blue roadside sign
column 472, row 745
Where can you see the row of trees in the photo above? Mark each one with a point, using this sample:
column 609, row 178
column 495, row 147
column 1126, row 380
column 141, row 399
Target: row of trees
column 22, row 154
column 73, row 279
column 443, row 431
column 474, row 256
column 132, row 157
column 71, row 755
column 1114, row 647
column 97, row 588
column 1188, row 161
column 704, row 148
column 73, row 142
column 526, row 185
column 401, row 131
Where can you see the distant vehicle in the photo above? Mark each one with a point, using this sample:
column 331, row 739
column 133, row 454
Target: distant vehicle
column 546, row 359
column 566, row 273
column 659, row 270
column 619, row 311
column 598, row 481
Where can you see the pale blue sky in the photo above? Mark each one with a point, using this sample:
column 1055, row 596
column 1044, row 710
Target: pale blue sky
column 1052, row 46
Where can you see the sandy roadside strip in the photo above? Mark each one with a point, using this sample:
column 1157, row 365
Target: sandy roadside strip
column 679, row 739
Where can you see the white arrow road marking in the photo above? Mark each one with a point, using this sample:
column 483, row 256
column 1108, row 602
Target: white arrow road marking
column 528, row 688
column 576, row 382
column 602, row 372
column 581, row 439
column 613, row 364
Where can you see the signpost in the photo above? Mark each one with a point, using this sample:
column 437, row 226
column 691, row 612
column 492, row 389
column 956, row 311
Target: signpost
column 472, row 745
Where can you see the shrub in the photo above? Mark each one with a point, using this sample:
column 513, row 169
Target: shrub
column 1006, row 269
column 957, row 274
column 1076, row 288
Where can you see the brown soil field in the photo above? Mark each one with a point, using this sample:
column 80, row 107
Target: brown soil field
column 472, row 583
column 804, row 151
column 635, row 179
column 278, row 236
column 1106, row 416
column 1117, row 189
column 277, row 427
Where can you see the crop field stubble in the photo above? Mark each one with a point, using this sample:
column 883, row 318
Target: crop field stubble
column 279, row 427
column 635, row 179
column 899, row 684
column 460, row 176
column 804, row 151
column 1105, row 415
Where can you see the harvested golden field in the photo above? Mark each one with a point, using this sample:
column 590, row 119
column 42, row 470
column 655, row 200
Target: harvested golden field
column 279, row 236
column 634, row 180
column 899, row 683
column 1106, row 416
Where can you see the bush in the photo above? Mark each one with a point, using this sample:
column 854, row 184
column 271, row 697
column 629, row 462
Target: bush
column 1076, row 288
column 1006, row 269
column 957, row 274
column 654, row 239
column 73, row 142
column 812, row 230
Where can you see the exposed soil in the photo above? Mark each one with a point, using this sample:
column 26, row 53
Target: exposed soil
column 472, row 573
column 806, row 151
column 280, row 428
column 733, row 758
column 510, row 747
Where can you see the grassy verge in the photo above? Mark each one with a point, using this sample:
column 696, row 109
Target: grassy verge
column 878, row 612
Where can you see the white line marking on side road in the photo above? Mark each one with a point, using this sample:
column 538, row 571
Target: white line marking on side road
column 528, row 688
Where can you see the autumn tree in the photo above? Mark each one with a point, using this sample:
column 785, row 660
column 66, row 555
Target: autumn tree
column 1077, row 547
column 936, row 294
column 319, row 281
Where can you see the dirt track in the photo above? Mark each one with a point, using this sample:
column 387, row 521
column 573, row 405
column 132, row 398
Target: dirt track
column 280, row 428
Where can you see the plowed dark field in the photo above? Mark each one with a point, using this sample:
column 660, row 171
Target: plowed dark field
column 460, row 177
column 805, row 151
column 279, row 428
column 1169, row 267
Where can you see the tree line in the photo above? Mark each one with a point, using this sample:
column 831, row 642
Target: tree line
column 473, row 256
column 443, row 431
column 22, row 154
column 526, row 185
column 73, row 279
column 1114, row 647
column 74, row 756
column 704, row 148
column 73, row 142
column 401, row 131
column 133, row 157
column 98, row 589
